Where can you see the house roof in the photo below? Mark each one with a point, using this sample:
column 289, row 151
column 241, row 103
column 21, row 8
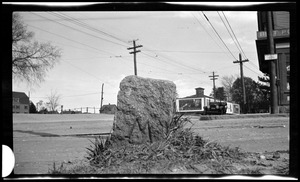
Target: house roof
column 23, row 98
column 195, row 96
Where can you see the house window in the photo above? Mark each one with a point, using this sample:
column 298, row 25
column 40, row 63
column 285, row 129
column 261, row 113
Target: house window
column 17, row 107
column 25, row 107
column 16, row 99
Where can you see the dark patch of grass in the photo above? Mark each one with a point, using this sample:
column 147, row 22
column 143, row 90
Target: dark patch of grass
column 57, row 170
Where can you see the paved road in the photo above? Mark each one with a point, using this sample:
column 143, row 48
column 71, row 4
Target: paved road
column 38, row 144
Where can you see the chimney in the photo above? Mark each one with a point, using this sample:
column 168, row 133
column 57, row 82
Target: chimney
column 199, row 92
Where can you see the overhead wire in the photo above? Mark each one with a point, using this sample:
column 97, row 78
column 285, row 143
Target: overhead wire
column 206, row 31
column 236, row 40
column 238, row 47
column 94, row 76
column 87, row 26
column 91, row 28
column 218, row 35
column 189, row 52
column 72, row 40
column 170, row 61
column 87, row 46
column 174, row 62
column 76, row 29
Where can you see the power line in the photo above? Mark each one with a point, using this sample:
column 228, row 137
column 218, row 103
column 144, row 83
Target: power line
column 234, row 35
column 99, row 50
column 82, row 24
column 172, row 61
column 206, row 30
column 192, row 51
column 87, row 26
column 160, row 68
column 252, row 70
column 218, row 35
column 88, row 73
column 235, row 40
column 73, row 28
column 229, row 32
column 99, row 31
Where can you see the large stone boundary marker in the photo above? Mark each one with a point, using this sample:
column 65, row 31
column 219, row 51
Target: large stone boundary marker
column 145, row 107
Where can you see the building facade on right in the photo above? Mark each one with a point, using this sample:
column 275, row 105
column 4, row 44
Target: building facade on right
column 281, row 35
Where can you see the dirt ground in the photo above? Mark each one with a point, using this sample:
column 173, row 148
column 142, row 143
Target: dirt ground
column 41, row 140
column 250, row 134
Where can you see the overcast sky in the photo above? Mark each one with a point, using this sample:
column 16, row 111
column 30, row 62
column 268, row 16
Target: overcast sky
column 180, row 46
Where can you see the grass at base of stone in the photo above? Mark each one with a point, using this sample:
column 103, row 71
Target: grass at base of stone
column 174, row 157
column 132, row 164
column 181, row 152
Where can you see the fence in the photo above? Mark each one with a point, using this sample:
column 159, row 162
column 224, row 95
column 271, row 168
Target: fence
column 82, row 110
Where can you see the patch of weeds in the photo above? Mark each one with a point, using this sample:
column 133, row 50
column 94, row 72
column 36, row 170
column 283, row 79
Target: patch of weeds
column 57, row 170
column 98, row 152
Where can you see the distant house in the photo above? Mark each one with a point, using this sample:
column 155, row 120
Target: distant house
column 108, row 109
column 20, row 102
column 196, row 103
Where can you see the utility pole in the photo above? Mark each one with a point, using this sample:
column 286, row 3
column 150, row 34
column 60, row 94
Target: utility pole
column 101, row 98
column 272, row 65
column 214, row 85
column 134, row 54
column 242, row 78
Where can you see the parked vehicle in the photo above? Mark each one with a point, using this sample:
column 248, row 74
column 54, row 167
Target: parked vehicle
column 215, row 108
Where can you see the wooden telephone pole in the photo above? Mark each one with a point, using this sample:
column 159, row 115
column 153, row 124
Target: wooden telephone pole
column 101, row 98
column 272, row 65
column 242, row 78
column 214, row 85
column 134, row 54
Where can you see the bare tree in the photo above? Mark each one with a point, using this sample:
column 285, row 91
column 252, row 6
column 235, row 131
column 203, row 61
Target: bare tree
column 53, row 100
column 30, row 59
column 227, row 82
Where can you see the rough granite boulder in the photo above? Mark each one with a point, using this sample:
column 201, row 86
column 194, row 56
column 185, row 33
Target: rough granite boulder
column 145, row 107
